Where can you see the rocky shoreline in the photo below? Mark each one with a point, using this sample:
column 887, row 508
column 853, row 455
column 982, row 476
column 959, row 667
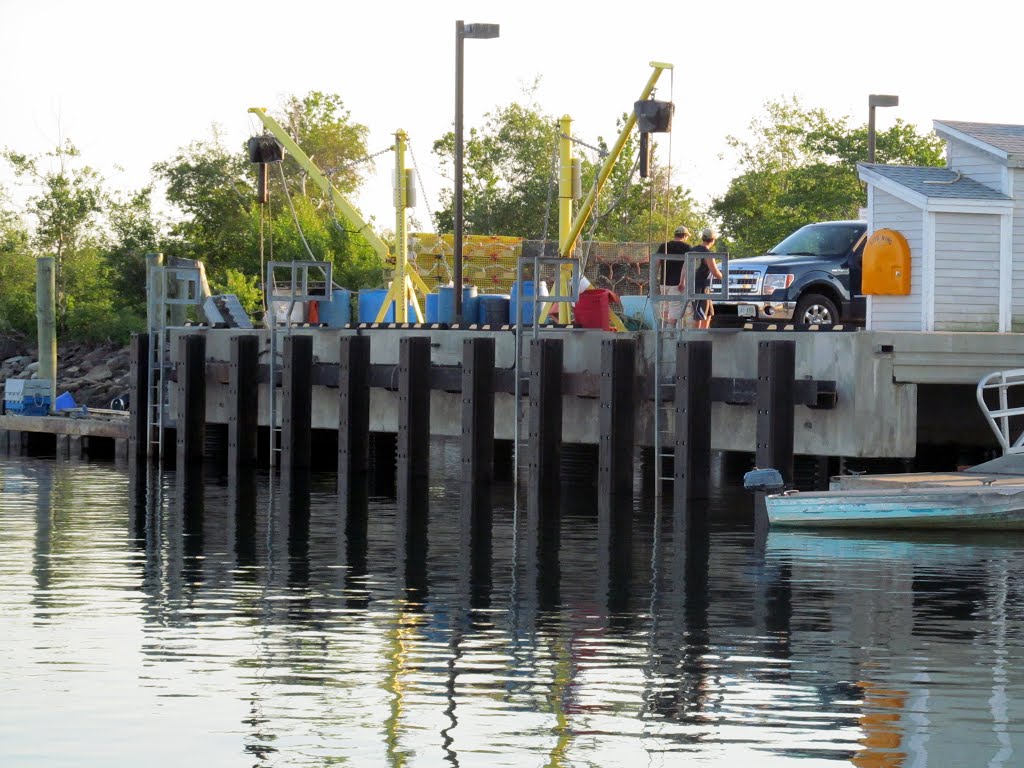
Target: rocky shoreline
column 95, row 375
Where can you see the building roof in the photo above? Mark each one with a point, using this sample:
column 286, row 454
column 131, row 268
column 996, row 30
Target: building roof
column 1000, row 139
column 935, row 183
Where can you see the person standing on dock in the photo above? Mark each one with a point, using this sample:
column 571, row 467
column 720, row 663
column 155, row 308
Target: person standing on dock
column 703, row 310
column 674, row 276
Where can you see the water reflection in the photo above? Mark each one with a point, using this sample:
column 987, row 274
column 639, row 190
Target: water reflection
column 282, row 626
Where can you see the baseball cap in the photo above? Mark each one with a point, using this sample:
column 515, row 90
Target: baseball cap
column 709, row 234
column 682, row 231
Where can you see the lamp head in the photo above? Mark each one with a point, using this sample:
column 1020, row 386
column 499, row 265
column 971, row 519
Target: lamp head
column 480, row 31
column 883, row 100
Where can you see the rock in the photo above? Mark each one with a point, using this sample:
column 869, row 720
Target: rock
column 101, row 373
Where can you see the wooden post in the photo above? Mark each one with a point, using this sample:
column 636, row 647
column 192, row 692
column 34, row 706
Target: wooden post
column 617, row 418
column 138, row 397
column 297, row 403
column 692, row 451
column 776, row 374
column 46, row 322
column 243, row 402
column 477, row 418
column 353, row 414
column 413, row 447
column 545, row 426
column 191, row 390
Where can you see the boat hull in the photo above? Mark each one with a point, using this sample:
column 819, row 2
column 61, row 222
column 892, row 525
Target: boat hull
column 984, row 508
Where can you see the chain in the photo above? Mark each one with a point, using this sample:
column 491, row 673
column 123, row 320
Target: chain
column 600, row 152
column 423, row 189
column 368, row 158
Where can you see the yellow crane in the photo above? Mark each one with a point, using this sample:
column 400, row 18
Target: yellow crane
column 406, row 280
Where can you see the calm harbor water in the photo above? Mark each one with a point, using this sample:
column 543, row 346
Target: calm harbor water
column 159, row 624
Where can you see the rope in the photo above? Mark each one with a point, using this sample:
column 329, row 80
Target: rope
column 284, row 183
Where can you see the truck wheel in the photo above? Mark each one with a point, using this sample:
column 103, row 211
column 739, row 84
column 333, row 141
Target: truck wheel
column 813, row 308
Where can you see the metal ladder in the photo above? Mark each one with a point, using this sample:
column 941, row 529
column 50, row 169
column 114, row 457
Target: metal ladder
column 665, row 380
column 169, row 287
column 289, row 283
column 522, row 369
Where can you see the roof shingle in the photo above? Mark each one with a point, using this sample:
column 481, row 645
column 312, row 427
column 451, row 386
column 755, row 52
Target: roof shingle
column 936, row 182
column 1002, row 136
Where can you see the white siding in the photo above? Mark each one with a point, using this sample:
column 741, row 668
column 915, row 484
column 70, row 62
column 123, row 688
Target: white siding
column 978, row 165
column 966, row 272
column 898, row 313
column 1017, row 242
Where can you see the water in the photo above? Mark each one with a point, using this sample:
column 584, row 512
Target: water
column 161, row 624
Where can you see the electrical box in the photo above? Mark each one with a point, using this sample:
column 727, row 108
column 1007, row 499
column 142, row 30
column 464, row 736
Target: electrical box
column 27, row 397
column 886, row 264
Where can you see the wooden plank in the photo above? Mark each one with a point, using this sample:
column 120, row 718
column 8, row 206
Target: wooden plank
column 477, row 416
column 413, row 442
column 191, row 400
column 691, row 470
column 297, row 403
column 545, row 429
column 243, row 402
column 138, row 395
column 776, row 367
column 353, row 415
column 617, row 419
column 66, row 425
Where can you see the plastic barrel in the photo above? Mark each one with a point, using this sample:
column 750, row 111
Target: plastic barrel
column 370, row 300
column 430, row 313
column 527, row 303
column 337, row 312
column 493, row 309
column 446, row 304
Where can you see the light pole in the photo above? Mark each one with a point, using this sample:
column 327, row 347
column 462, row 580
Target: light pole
column 462, row 31
column 877, row 100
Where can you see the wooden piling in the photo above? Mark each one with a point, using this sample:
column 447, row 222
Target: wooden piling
column 477, row 417
column 776, row 374
column 138, row 397
column 353, row 414
column 243, row 402
column 191, row 396
column 692, row 449
column 413, row 445
column 297, row 403
column 545, row 426
column 617, row 418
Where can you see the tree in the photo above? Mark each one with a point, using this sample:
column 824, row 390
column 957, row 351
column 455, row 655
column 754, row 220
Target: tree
column 66, row 209
column 800, row 167
column 510, row 185
column 135, row 232
column 17, row 274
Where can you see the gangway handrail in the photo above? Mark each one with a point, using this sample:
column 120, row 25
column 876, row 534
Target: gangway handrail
column 999, row 418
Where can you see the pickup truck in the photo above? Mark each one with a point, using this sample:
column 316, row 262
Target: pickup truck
column 813, row 276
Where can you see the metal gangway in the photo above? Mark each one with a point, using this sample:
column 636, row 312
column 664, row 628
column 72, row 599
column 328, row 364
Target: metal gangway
column 289, row 284
column 1006, row 417
column 665, row 406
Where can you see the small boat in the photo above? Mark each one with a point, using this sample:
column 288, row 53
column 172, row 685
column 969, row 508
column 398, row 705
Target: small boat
column 985, row 507
column 989, row 496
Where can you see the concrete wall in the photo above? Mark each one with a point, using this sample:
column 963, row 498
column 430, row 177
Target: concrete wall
column 898, row 313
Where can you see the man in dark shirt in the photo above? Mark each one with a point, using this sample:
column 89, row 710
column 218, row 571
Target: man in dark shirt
column 702, row 309
column 673, row 279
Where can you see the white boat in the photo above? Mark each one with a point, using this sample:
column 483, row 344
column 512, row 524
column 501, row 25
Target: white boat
column 985, row 507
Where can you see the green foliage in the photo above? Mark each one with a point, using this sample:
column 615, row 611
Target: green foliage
column 135, row 232
column 800, row 167
column 18, row 297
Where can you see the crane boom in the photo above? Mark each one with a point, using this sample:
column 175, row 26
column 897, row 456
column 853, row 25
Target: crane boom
column 343, row 206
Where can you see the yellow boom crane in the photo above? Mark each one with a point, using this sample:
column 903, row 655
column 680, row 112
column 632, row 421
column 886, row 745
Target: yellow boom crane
column 569, row 228
column 406, row 279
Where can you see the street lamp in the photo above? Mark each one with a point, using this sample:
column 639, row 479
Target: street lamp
column 462, row 31
column 877, row 100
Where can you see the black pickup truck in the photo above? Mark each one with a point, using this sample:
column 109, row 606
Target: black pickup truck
column 813, row 276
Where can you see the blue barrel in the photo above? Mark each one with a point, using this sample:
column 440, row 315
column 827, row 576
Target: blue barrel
column 527, row 304
column 430, row 313
column 446, row 304
column 337, row 313
column 493, row 309
column 370, row 300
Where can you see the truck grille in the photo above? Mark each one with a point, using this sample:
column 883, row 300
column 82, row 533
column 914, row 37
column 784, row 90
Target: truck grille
column 741, row 282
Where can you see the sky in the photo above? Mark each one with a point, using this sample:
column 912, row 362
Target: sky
column 131, row 82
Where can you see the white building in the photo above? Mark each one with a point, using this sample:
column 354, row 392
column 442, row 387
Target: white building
column 965, row 227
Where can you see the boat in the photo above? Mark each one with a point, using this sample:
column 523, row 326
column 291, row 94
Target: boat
column 989, row 496
column 985, row 507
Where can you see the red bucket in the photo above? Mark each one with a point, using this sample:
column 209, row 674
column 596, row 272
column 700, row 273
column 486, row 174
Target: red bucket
column 592, row 309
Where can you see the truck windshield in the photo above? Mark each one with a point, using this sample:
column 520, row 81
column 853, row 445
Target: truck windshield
column 822, row 240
